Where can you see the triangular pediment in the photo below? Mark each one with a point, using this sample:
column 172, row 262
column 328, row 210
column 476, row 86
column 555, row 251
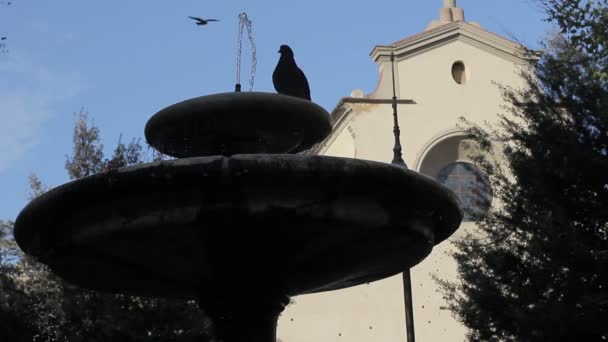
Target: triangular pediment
column 468, row 33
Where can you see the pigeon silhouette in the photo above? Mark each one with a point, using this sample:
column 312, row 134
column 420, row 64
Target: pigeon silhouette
column 287, row 78
column 201, row 21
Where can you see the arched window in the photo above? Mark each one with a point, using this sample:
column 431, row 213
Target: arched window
column 459, row 72
column 471, row 185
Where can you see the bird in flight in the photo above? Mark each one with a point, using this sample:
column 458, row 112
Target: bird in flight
column 201, row 21
column 288, row 78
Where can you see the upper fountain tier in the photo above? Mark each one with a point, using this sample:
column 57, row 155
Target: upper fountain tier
column 238, row 123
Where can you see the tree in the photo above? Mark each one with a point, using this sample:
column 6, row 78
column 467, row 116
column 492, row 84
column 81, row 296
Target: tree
column 14, row 318
column 51, row 309
column 536, row 268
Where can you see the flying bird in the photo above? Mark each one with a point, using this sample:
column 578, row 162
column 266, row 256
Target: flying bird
column 287, row 78
column 201, row 21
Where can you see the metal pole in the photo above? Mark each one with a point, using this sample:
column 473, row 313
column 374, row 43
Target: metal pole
column 398, row 160
column 409, row 306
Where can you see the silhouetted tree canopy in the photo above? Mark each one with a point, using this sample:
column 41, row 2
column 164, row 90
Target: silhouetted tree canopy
column 536, row 268
column 36, row 305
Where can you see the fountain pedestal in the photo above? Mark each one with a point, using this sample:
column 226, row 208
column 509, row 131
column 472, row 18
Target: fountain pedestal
column 240, row 313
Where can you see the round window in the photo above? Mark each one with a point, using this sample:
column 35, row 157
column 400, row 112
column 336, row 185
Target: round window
column 471, row 186
column 459, row 73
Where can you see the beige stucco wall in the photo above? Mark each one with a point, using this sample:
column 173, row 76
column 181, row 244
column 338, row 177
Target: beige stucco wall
column 343, row 145
column 375, row 312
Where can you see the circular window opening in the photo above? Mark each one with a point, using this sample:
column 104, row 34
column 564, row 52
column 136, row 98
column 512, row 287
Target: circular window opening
column 471, row 186
column 459, row 73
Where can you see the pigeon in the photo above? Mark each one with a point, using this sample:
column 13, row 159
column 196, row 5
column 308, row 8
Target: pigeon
column 201, row 21
column 287, row 78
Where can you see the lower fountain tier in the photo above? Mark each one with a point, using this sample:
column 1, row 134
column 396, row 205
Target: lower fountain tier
column 276, row 224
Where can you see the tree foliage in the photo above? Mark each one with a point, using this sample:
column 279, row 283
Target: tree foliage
column 36, row 305
column 536, row 268
column 14, row 320
column 87, row 151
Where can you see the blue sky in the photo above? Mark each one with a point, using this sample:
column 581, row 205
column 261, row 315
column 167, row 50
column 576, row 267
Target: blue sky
column 125, row 60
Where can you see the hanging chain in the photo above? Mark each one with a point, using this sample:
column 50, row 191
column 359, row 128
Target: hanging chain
column 244, row 21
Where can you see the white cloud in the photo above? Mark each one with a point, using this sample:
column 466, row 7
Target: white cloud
column 27, row 93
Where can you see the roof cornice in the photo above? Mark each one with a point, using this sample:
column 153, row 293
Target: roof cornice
column 469, row 33
column 343, row 112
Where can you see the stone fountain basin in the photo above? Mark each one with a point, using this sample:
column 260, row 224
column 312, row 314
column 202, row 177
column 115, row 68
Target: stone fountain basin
column 238, row 123
column 289, row 224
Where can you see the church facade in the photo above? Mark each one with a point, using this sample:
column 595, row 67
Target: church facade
column 451, row 70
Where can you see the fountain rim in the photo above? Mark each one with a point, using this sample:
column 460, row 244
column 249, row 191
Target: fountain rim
column 254, row 159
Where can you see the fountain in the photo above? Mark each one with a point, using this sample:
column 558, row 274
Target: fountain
column 240, row 222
